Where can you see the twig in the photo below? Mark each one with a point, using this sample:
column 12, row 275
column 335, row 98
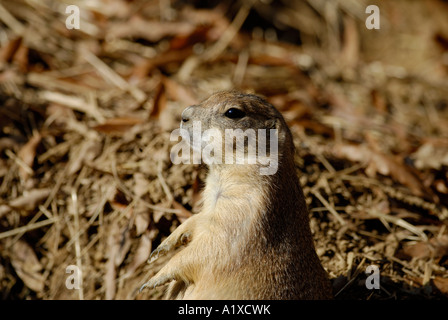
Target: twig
column 229, row 33
column 240, row 68
column 400, row 222
column 325, row 162
column 214, row 51
column 131, row 195
column 428, row 273
column 357, row 272
column 165, row 187
column 10, row 21
column 94, row 216
column 76, row 103
column 110, row 75
column 27, row 228
column 74, row 197
column 51, row 82
column 327, row 205
column 19, row 161
column 32, row 221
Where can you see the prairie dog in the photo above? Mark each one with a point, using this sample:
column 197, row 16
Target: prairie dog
column 251, row 239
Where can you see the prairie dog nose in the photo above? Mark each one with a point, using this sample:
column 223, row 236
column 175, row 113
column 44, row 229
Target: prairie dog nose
column 187, row 113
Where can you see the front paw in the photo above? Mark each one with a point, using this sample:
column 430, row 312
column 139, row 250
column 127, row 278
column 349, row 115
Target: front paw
column 157, row 281
column 169, row 244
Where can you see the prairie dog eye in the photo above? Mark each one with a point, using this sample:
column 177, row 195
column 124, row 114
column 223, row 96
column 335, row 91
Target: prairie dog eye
column 234, row 113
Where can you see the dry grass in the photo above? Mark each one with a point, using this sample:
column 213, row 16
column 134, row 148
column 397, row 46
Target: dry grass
column 85, row 119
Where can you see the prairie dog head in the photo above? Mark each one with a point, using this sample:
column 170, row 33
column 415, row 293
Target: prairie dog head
column 235, row 128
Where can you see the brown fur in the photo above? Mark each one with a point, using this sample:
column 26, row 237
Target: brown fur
column 252, row 238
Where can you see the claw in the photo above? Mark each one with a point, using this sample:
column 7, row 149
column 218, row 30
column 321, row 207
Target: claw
column 168, row 245
column 151, row 258
column 155, row 254
column 142, row 287
column 156, row 282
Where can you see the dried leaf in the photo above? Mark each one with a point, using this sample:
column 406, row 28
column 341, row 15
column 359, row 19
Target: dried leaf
column 125, row 245
column 379, row 101
column 137, row 27
column 179, row 92
column 9, row 49
column 27, row 154
column 431, row 154
column 7, row 143
column 85, row 152
column 314, row 126
column 434, row 248
column 441, row 284
column 159, row 103
column 117, row 125
column 141, row 70
column 4, row 209
column 141, row 221
column 205, row 17
column 183, row 40
column 113, row 246
column 272, row 61
column 441, row 186
column 142, row 253
column 418, row 250
column 30, row 199
column 140, row 184
column 350, row 50
column 399, row 171
column 382, row 163
column 21, row 58
column 59, row 113
column 352, row 152
column 184, row 213
column 27, row 266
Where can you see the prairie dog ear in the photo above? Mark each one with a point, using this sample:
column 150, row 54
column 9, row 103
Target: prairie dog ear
column 280, row 126
column 275, row 124
column 271, row 124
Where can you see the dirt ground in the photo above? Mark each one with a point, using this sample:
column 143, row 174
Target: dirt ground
column 86, row 180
